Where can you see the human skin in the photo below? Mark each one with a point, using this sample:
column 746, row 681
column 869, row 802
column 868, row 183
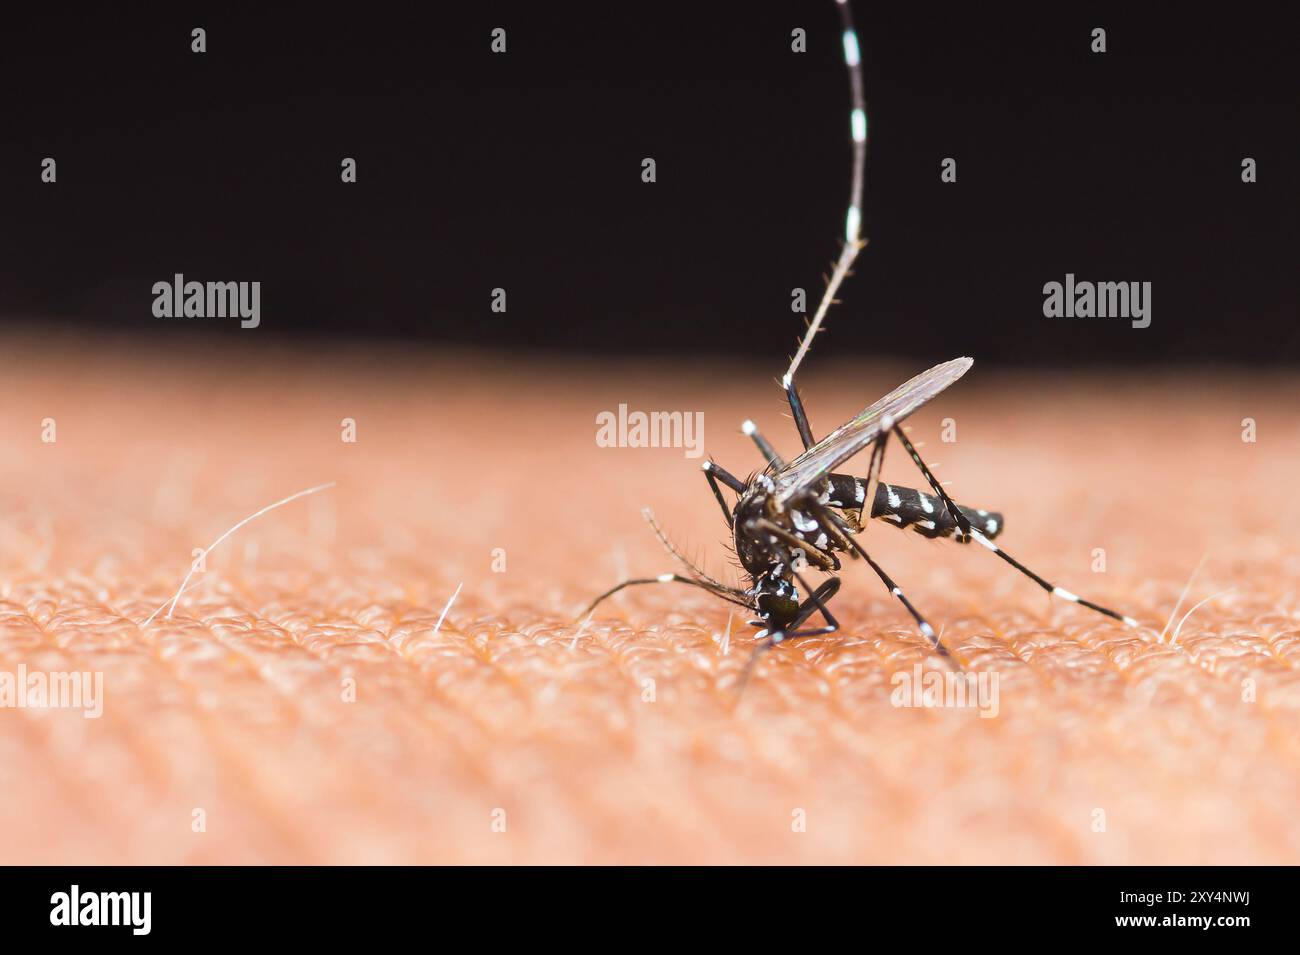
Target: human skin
column 625, row 739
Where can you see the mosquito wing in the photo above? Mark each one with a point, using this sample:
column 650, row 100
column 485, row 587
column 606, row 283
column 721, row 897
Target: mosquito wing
column 854, row 435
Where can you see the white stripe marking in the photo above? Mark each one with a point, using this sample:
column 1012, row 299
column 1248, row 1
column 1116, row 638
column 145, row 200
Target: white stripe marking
column 852, row 55
column 859, row 126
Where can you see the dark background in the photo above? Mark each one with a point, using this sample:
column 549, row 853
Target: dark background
column 523, row 171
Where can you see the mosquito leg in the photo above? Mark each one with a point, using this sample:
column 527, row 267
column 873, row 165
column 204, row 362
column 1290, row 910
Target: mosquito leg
column 853, row 241
column 924, row 626
column 716, row 474
column 971, row 534
column 963, row 525
column 858, row 494
column 1050, row 588
column 811, row 551
column 800, row 416
column 874, row 465
column 926, row 630
column 815, row 603
column 724, row 476
column 769, row 453
column 726, row 593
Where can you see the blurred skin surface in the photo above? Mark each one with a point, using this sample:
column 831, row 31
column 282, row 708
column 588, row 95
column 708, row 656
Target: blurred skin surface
column 1107, row 747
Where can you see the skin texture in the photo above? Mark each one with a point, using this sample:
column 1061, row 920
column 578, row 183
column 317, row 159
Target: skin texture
column 236, row 706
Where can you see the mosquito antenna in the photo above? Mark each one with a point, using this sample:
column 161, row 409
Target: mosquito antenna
column 853, row 242
column 697, row 578
column 672, row 549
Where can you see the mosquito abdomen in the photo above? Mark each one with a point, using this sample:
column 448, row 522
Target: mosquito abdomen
column 908, row 507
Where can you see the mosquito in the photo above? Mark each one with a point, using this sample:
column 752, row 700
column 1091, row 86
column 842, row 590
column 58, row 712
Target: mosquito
column 802, row 514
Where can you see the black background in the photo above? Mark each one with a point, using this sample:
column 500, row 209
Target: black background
column 523, row 171
column 342, row 907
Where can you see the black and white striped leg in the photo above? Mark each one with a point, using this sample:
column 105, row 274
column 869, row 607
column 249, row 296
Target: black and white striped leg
column 1049, row 587
column 729, row 594
column 773, row 459
column 716, row 474
column 816, row 603
column 922, row 624
column 800, row 416
column 963, row 525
